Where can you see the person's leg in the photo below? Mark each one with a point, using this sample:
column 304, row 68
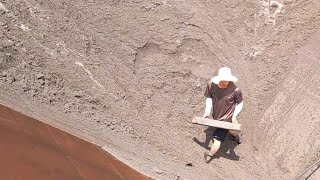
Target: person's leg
column 233, row 133
column 218, row 136
column 208, row 156
column 215, row 147
column 209, row 134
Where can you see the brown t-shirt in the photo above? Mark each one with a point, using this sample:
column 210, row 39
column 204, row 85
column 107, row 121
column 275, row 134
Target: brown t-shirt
column 224, row 101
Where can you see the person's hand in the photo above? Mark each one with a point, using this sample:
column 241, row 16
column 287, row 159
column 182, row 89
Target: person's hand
column 234, row 120
column 206, row 114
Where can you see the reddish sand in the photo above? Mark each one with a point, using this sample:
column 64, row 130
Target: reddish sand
column 31, row 149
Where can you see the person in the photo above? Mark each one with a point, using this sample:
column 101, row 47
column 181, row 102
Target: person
column 225, row 101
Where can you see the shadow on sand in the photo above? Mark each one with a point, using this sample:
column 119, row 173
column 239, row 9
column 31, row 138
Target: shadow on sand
column 227, row 147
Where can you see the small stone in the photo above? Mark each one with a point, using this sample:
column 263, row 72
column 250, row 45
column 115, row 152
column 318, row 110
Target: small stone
column 40, row 76
column 23, row 64
column 158, row 171
column 164, row 18
column 13, row 79
column 78, row 94
column 3, row 74
column 274, row 5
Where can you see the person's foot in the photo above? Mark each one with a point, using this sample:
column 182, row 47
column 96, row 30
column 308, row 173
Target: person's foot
column 208, row 157
column 236, row 139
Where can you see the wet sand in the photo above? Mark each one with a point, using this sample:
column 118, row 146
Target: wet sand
column 30, row 149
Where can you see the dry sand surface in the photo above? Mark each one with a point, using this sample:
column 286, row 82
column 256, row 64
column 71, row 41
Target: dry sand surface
column 129, row 75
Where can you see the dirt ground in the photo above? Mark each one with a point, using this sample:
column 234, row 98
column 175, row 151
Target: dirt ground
column 129, row 75
column 31, row 149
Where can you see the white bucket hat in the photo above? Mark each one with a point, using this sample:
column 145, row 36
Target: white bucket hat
column 224, row 74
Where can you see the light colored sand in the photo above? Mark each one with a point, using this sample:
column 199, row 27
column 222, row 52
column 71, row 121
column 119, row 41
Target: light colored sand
column 130, row 75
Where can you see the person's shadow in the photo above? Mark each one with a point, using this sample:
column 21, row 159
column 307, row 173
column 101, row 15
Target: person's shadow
column 226, row 146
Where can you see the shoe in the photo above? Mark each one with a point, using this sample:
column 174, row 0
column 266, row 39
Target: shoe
column 236, row 139
column 207, row 157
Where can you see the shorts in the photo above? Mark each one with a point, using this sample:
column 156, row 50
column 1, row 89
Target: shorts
column 220, row 134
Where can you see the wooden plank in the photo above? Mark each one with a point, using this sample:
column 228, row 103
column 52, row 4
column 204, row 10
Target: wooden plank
column 216, row 123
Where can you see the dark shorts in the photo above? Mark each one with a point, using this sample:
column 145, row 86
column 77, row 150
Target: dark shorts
column 220, row 134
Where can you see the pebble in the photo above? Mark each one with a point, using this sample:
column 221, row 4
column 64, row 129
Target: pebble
column 158, row 171
column 40, row 76
column 78, row 94
column 3, row 74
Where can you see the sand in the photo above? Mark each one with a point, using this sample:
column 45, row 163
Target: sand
column 129, row 76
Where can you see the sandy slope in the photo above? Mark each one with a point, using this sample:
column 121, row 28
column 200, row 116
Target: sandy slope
column 130, row 75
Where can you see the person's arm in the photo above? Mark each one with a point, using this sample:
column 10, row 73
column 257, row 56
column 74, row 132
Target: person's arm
column 239, row 106
column 207, row 110
column 208, row 95
column 237, row 110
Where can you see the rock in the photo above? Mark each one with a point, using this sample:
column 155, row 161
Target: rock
column 13, row 79
column 40, row 76
column 23, row 64
column 158, row 171
column 78, row 94
column 3, row 74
